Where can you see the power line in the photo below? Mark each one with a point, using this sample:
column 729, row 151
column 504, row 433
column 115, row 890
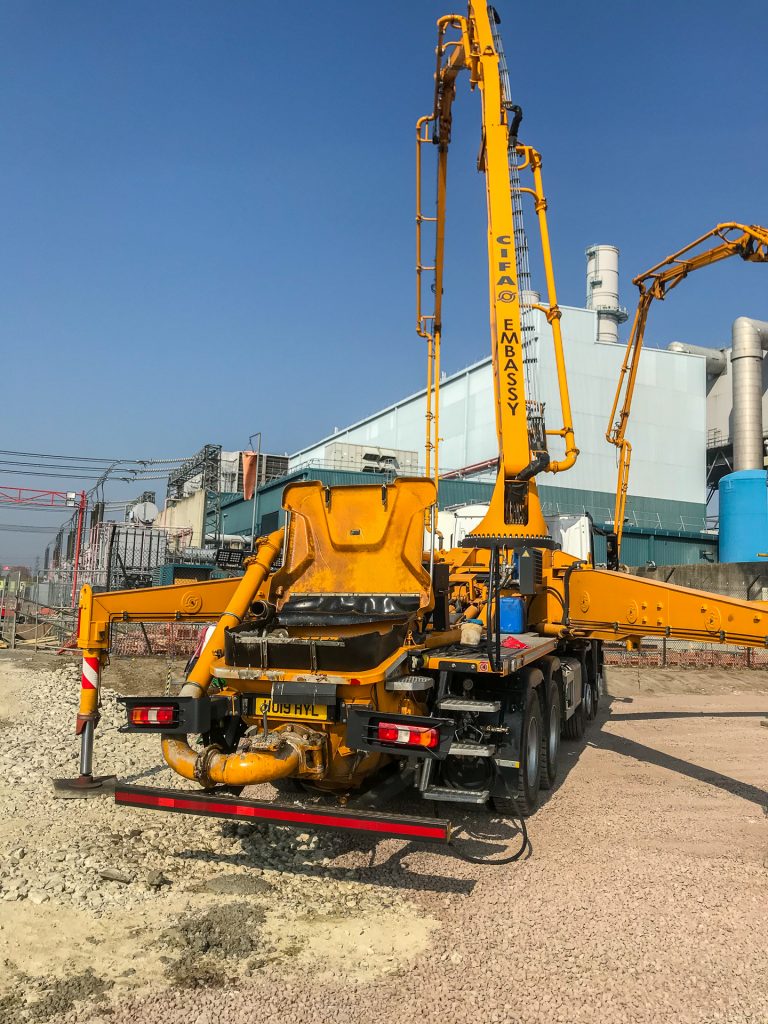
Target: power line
column 91, row 458
column 31, row 505
column 69, row 466
column 24, row 528
column 135, row 477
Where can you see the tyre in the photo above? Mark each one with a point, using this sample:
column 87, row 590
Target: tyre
column 550, row 736
column 596, row 698
column 588, row 700
column 524, row 782
column 574, row 727
column 592, row 684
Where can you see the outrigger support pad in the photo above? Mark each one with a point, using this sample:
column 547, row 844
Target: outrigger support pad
column 86, row 784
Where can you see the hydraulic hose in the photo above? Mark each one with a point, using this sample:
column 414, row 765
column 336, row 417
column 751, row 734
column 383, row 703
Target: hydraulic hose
column 525, row 843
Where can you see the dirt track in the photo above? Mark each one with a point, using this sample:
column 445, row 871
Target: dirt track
column 645, row 898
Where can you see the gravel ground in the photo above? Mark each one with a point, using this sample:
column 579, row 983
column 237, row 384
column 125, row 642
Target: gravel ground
column 645, row 896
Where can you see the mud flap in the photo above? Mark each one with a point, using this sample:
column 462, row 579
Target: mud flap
column 507, row 759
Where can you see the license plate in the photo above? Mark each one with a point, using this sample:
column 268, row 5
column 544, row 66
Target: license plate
column 277, row 709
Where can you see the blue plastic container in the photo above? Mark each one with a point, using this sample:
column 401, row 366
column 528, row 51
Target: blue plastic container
column 744, row 516
column 512, row 615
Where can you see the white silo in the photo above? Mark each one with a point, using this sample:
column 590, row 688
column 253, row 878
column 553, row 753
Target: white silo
column 529, row 297
column 603, row 290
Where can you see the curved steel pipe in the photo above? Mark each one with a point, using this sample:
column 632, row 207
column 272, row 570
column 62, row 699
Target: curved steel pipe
column 717, row 360
column 238, row 769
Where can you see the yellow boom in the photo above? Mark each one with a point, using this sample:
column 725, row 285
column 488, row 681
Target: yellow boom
column 471, row 44
column 750, row 242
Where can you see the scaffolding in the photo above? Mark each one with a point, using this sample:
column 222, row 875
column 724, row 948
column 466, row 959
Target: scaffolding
column 201, row 472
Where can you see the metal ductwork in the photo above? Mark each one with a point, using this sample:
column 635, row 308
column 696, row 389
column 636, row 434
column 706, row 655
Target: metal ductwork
column 717, row 359
column 749, row 339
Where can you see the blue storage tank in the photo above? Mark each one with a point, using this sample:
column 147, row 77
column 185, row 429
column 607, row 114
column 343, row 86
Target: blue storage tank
column 511, row 615
column 743, row 515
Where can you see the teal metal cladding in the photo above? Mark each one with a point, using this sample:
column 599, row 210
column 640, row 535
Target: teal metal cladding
column 638, row 547
column 655, row 532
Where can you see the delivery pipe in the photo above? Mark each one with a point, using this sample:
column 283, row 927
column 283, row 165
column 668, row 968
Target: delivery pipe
column 212, row 766
column 749, row 340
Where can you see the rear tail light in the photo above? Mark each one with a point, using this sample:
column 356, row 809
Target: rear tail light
column 407, row 735
column 150, row 715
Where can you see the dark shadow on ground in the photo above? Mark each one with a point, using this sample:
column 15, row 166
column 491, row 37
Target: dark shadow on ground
column 596, row 736
column 390, row 873
column 148, row 773
column 649, row 716
column 649, row 755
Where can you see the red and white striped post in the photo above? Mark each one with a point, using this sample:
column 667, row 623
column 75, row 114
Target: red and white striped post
column 89, row 640
column 87, row 719
column 88, row 714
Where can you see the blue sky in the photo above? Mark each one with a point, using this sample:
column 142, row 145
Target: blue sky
column 207, row 205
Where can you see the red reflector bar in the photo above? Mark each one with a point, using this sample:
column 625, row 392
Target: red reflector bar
column 407, row 735
column 401, row 827
column 153, row 715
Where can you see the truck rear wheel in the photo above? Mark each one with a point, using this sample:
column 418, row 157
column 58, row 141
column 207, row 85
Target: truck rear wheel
column 550, row 737
column 524, row 781
column 574, row 727
column 588, row 700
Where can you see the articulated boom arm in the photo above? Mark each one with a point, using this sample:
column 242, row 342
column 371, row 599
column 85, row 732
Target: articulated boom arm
column 580, row 601
column 750, row 242
column 190, row 602
column 520, row 429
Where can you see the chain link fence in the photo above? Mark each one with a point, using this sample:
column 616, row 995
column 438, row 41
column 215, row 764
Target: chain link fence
column 11, row 591
column 170, row 639
column 685, row 654
column 30, row 619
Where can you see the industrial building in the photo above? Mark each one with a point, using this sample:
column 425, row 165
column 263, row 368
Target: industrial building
column 668, row 487
column 697, row 416
column 667, row 506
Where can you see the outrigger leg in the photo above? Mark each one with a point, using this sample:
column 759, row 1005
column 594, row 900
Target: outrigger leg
column 86, row 784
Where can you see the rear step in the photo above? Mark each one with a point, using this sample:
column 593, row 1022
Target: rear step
column 464, row 704
column 427, row 830
column 471, row 749
column 456, row 796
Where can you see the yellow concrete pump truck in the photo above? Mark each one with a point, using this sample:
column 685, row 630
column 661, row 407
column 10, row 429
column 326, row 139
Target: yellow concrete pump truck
column 364, row 664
